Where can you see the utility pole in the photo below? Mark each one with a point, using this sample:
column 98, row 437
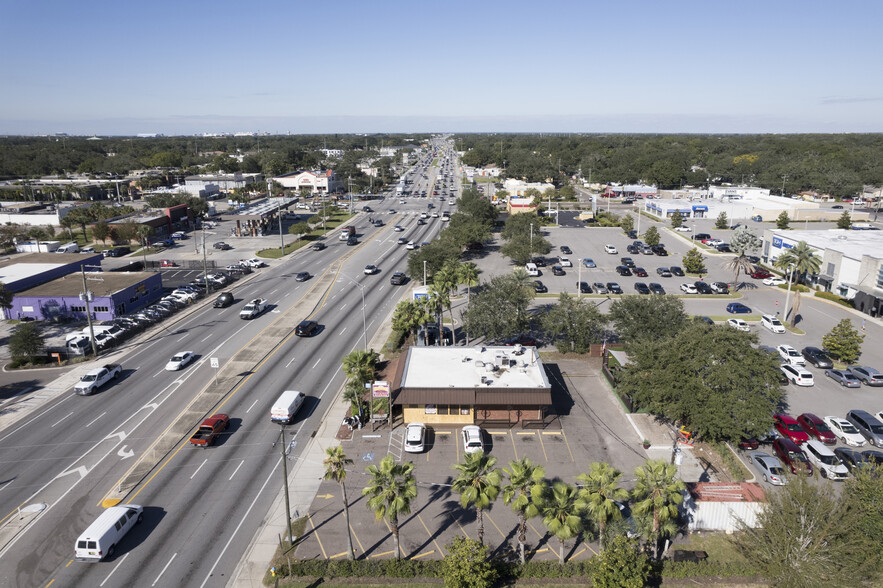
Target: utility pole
column 204, row 262
column 270, row 195
column 285, row 484
column 784, row 177
column 86, row 297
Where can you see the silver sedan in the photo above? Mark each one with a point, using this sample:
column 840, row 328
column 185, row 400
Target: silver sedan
column 769, row 467
column 844, row 378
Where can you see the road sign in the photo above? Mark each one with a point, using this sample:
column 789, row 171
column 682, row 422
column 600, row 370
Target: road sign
column 214, row 362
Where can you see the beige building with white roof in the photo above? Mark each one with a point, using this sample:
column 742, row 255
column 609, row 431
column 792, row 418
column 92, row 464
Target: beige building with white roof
column 473, row 385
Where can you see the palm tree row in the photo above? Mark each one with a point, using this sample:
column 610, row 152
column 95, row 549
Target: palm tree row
column 567, row 510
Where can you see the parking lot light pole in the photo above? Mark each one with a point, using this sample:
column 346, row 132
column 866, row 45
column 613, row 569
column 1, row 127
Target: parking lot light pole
column 788, row 295
column 279, row 213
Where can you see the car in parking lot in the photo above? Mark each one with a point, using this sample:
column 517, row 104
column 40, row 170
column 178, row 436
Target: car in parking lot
column 627, row 262
column 663, row 272
column 589, row 263
column 845, row 431
column 873, row 457
column 398, row 278
column 817, row 357
column 599, row 287
column 584, row 287
column 790, row 355
column 472, row 441
column 610, row 249
column 659, row 250
column 738, row 324
column 760, row 274
column 538, row 261
column 720, row 288
column 222, row 246
column 557, row 270
column 688, row 288
column 792, row 456
column 613, row 288
column 851, row 458
column 656, row 288
column 702, row 288
column 539, row 287
column 844, row 378
column 867, row 375
column 623, row 270
column 415, row 437
column 769, row 467
column 641, row 288
column 868, row 425
column 683, row 229
column 566, row 250
column 772, row 324
column 738, row 308
column 302, row 276
column 816, row 427
column 640, row 272
column 828, row 464
column 676, row 271
column 306, row 329
column 787, row 426
column 634, row 249
column 797, row 374
column 564, row 262
column 180, row 360
column 774, row 281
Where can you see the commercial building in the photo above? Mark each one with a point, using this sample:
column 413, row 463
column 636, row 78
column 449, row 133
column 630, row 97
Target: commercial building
column 22, row 272
column 501, row 386
column 852, row 262
column 210, row 184
column 318, row 181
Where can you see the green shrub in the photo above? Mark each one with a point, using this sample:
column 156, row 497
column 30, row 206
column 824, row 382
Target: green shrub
column 834, row 298
column 795, row 288
column 622, row 565
column 467, row 566
column 704, row 569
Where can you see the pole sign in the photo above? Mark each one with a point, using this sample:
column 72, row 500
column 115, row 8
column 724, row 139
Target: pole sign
column 380, row 390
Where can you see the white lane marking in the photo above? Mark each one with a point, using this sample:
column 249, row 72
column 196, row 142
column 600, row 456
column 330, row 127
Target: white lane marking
column 35, row 418
column 199, row 468
column 114, row 569
column 289, row 363
column 342, row 307
column 184, row 337
column 343, row 331
column 236, row 470
column 380, row 289
column 252, row 405
column 325, row 390
column 287, row 295
column 274, row 291
column 165, row 568
column 371, row 323
column 95, row 419
column 62, row 418
column 206, row 339
column 208, row 576
column 317, row 363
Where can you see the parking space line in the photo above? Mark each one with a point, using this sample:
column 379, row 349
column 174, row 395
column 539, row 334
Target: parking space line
column 487, row 515
column 353, row 531
column 316, row 535
column 589, row 548
column 514, row 448
column 465, row 534
column 543, row 445
column 424, row 554
column 577, row 554
column 532, row 528
column 382, row 554
column 568, row 446
column 430, row 535
column 336, row 555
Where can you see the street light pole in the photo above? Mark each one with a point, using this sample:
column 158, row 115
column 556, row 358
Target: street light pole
column 788, row 295
column 285, row 485
column 364, row 318
column 279, row 214
column 424, row 272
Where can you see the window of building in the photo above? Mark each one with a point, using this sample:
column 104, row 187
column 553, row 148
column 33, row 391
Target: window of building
column 830, row 270
column 880, row 277
column 100, row 308
column 78, row 309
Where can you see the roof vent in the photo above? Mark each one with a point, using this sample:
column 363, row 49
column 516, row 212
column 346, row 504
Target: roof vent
column 479, row 363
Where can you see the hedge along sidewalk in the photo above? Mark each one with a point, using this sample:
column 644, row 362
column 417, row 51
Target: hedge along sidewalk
column 304, row 479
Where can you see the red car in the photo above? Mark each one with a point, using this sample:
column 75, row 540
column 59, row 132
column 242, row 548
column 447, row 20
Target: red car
column 817, row 428
column 761, row 275
column 788, row 427
column 791, row 456
column 167, row 263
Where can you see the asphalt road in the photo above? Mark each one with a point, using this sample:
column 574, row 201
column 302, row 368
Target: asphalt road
column 201, row 506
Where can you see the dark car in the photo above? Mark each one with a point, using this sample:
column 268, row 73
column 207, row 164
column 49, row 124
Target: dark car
column 306, row 329
column 352, row 241
column 584, row 287
column 641, row 288
column 791, row 455
column 398, row 278
column 223, row 300
column 873, row 457
column 471, row 246
column 623, row 270
column 632, row 234
column 557, row 270
column 118, row 252
column 318, row 246
column 817, row 357
column 538, row 261
column 851, row 458
column 738, row 308
column 628, row 262
column 614, row 288
column 640, row 272
column 701, row 236
column 566, row 250
column 539, row 287
column 676, row 271
column 723, row 247
column 749, row 444
column 656, row 288
column 659, row 250
column 702, row 288
column 302, row 276
column 633, row 249
column 817, row 428
column 222, row 246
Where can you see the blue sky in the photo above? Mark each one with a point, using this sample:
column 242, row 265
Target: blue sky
column 392, row 66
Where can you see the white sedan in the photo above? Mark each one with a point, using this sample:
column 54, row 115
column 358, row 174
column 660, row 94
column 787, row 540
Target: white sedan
column 774, row 281
column 738, row 324
column 411, row 245
column 610, row 249
column 683, row 229
column 688, row 289
column 179, row 360
column 564, row 262
column 845, row 431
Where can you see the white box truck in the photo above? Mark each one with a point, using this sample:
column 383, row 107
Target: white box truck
column 286, row 406
column 99, row 541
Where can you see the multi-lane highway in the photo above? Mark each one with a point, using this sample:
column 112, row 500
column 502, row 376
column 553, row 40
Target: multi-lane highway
column 201, row 506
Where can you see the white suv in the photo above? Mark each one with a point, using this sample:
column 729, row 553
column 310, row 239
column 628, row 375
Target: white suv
column 797, row 374
column 790, row 355
column 772, row 323
column 823, row 458
column 472, row 442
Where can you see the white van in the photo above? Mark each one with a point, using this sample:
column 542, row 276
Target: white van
column 286, row 407
column 531, row 269
column 772, row 323
column 68, row 248
column 101, row 538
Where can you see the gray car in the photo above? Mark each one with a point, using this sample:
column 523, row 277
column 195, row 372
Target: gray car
column 843, row 378
column 769, row 467
column 868, row 425
column 868, row 375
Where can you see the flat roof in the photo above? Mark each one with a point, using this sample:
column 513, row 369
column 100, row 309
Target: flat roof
column 19, row 267
column 852, row 244
column 99, row 283
column 464, row 367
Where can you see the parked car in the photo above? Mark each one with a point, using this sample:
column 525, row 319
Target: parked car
column 623, row 270
column 600, row 288
column 584, row 287
column 222, row 246
column 774, row 281
column 792, row 456
column 472, row 441
column 867, row 375
column 720, row 288
column 851, row 458
column 816, row 427
column 738, row 308
column 656, row 288
column 676, row 271
column 703, row 288
column 659, row 250
column 738, row 324
column 564, row 262
column 872, row 456
column 797, row 374
column 523, row 340
column 845, row 431
column 772, row 323
column 415, row 438
column 627, row 262
column 539, row 287
column 614, row 288
column 641, row 288
column 790, row 355
column 688, row 289
column 610, row 249
column 760, row 274
column 817, row 357
column 828, row 464
column 589, row 263
column 683, row 229
column 769, row 467
column 868, row 425
column 844, row 378
column 640, row 272
column 566, row 250
column 663, row 272
column 787, row 426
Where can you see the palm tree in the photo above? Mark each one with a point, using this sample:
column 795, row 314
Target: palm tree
column 429, row 306
column 68, row 223
column 478, row 484
column 468, row 276
column 802, row 258
column 391, row 490
column 658, row 493
column 407, row 316
column 738, row 264
column 561, row 514
column 353, row 393
column 335, row 469
column 524, row 493
column 359, row 365
column 442, row 295
column 600, row 493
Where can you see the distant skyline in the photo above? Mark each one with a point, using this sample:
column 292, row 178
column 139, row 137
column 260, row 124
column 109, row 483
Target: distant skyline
column 112, row 68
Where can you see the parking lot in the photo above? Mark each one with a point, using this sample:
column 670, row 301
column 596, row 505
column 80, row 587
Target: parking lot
column 592, row 428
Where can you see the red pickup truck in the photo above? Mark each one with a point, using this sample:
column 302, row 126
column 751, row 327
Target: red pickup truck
column 209, row 429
